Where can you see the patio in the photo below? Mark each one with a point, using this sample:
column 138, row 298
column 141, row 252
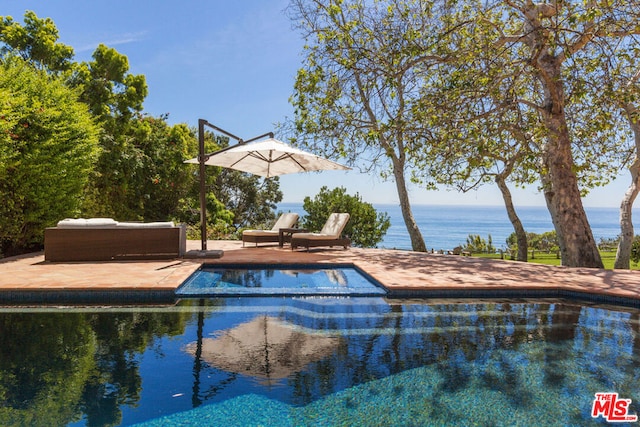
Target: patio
column 29, row 279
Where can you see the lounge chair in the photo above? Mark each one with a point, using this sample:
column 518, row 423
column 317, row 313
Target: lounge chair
column 330, row 235
column 286, row 221
column 103, row 239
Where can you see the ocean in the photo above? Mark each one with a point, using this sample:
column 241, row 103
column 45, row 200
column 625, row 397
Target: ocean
column 445, row 227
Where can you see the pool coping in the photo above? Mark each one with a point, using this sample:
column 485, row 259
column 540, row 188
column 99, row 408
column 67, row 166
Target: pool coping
column 28, row 279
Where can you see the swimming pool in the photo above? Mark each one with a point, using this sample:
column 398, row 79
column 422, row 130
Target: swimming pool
column 281, row 279
column 317, row 361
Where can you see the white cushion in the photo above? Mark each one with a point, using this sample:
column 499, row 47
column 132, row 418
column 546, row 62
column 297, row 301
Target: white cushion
column 286, row 220
column 166, row 224
column 84, row 223
column 259, row 233
column 314, row 236
column 335, row 224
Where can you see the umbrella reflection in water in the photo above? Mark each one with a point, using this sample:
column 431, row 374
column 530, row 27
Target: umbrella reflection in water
column 265, row 348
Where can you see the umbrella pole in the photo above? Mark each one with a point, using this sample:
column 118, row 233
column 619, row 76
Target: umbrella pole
column 202, row 158
column 203, row 183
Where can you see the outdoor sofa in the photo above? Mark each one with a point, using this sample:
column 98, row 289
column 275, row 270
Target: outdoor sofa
column 330, row 235
column 103, row 239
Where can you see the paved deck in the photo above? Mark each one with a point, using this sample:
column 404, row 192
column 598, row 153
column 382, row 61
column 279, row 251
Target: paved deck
column 30, row 279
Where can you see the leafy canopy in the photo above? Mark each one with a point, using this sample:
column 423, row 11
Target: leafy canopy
column 36, row 42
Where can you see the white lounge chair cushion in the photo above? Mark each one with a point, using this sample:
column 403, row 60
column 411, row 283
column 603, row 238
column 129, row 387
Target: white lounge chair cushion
column 286, row 220
column 332, row 228
column 260, row 233
column 314, row 236
column 84, row 223
column 335, row 224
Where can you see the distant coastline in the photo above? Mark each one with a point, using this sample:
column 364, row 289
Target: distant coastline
column 447, row 226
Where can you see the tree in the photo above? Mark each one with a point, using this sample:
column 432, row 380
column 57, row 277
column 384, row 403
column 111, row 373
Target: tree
column 36, row 42
column 48, row 148
column 138, row 173
column 546, row 37
column 536, row 59
column 359, row 87
column 115, row 98
column 251, row 199
column 113, row 95
column 631, row 106
column 158, row 178
column 366, row 228
column 623, row 78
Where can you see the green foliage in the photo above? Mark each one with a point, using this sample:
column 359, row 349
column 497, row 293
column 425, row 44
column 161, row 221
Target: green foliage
column 545, row 242
column 635, row 250
column 146, row 178
column 111, row 92
column 35, row 42
column 365, row 228
column 48, row 147
column 57, row 161
column 360, row 88
column 43, row 378
column 251, row 199
column 476, row 244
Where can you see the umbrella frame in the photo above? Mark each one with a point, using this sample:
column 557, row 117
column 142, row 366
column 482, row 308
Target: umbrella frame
column 202, row 158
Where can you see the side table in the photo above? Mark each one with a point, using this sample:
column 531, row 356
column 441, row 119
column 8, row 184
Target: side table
column 284, row 234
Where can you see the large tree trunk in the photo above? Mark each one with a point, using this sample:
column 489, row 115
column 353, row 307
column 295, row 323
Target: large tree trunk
column 417, row 241
column 623, row 254
column 577, row 245
column 521, row 234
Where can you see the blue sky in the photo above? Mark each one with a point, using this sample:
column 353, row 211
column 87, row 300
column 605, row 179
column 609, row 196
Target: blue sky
column 233, row 63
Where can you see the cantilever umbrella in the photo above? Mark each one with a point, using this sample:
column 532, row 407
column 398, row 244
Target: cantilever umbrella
column 269, row 158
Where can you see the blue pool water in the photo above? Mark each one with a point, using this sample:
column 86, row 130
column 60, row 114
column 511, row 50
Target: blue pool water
column 291, row 279
column 318, row 360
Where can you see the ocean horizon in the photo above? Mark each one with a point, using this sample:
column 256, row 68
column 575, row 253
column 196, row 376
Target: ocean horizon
column 444, row 227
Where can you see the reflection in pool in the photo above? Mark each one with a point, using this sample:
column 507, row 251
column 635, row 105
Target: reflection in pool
column 317, row 361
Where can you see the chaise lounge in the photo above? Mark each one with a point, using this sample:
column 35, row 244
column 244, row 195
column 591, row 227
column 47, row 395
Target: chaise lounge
column 103, row 239
column 330, row 235
column 286, row 221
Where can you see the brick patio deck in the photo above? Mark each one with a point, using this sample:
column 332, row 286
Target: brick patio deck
column 30, row 279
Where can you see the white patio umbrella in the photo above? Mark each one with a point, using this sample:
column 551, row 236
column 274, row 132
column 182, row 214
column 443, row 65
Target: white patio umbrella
column 265, row 158
column 269, row 158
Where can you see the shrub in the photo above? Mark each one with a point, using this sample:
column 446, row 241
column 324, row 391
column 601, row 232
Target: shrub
column 477, row 244
column 365, row 228
column 48, row 148
column 635, row 250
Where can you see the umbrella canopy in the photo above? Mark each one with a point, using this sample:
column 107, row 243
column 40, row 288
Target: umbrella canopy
column 268, row 158
column 265, row 348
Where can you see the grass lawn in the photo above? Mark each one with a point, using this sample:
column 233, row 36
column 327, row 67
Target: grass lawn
column 608, row 258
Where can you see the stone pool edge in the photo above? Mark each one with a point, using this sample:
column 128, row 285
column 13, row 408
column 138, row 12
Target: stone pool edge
column 29, row 279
